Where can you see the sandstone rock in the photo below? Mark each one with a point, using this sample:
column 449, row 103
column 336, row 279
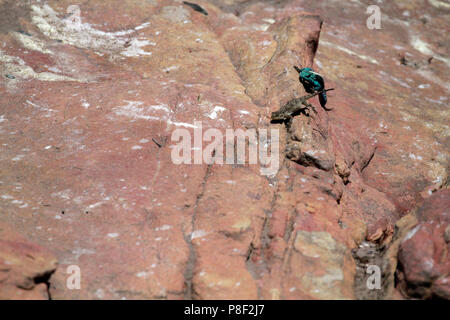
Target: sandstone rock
column 87, row 111
column 423, row 262
column 25, row 268
column 399, row 108
column 312, row 148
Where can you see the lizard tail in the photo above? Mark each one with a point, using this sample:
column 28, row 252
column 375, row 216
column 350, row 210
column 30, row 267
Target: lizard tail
column 323, row 99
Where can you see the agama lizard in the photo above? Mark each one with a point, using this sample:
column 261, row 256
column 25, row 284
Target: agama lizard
column 294, row 106
column 313, row 82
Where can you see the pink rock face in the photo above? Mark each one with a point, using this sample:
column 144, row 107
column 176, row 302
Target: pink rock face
column 424, row 265
column 91, row 95
column 395, row 81
column 25, row 267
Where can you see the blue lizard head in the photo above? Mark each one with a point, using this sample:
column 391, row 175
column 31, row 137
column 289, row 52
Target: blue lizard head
column 312, row 82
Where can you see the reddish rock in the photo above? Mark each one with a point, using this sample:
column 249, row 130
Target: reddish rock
column 87, row 112
column 25, row 267
column 424, row 264
column 396, row 106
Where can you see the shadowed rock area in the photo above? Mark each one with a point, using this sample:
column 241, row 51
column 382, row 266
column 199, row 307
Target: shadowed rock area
column 90, row 96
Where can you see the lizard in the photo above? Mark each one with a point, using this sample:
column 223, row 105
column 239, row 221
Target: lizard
column 294, row 106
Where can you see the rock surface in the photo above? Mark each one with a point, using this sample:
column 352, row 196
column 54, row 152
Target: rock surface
column 424, row 264
column 89, row 100
column 25, row 267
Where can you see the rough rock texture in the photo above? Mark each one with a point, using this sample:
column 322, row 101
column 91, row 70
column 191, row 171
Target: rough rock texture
column 88, row 104
column 424, row 264
column 25, row 268
column 397, row 81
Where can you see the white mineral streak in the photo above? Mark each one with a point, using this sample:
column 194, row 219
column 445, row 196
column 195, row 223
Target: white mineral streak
column 83, row 35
